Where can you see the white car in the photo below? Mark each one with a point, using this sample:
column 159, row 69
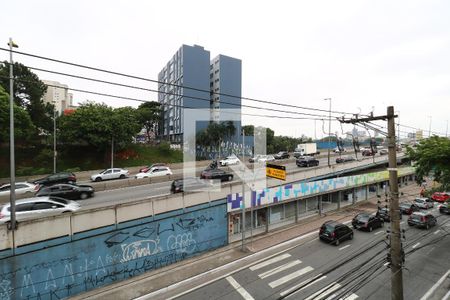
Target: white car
column 114, row 173
column 32, row 208
column 424, row 203
column 230, row 160
column 266, row 158
column 154, row 172
column 22, row 188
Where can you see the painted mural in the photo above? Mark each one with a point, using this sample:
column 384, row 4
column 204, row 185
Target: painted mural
column 71, row 268
column 297, row 190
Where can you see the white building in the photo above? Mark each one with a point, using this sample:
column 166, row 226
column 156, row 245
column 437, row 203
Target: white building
column 58, row 95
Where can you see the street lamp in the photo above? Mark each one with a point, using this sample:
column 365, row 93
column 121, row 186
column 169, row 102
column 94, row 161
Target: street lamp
column 12, row 164
column 329, row 131
column 54, row 136
column 429, row 128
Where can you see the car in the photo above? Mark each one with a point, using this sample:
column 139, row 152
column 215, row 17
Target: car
column 282, row 155
column 383, row 151
column 216, row 174
column 38, row 207
column 61, row 177
column 384, row 214
column 255, row 158
column 344, row 159
column 408, row 208
column 114, row 173
column 67, row 191
column 22, row 188
column 146, row 168
column 266, row 158
column 334, row 232
column 154, row 172
column 191, row 183
column 424, row 203
column 230, row 160
column 307, row 161
column 424, row 220
column 440, row 196
column 337, row 150
column 368, row 152
column 444, row 208
column 365, row 221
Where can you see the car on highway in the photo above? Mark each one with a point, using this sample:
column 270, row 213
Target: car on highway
column 408, row 208
column 440, row 196
column 107, row 174
column 190, row 183
column 282, row 155
column 146, row 168
column 337, row 150
column 21, row 188
column 306, row 161
column 334, row 232
column 384, row 214
column 365, row 221
column 61, row 177
column 424, row 220
column 266, row 158
column 423, row 202
column 216, row 174
column 38, row 207
column 154, row 172
column 255, row 158
column 230, row 160
column 368, row 152
column 444, row 208
column 344, row 159
column 67, row 191
column 383, row 151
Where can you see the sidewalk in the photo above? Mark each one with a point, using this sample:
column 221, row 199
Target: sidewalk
column 205, row 264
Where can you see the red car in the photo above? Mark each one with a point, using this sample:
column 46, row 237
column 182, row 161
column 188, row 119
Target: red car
column 440, row 196
column 145, row 169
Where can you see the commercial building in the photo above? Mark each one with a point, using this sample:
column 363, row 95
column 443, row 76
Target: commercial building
column 58, row 95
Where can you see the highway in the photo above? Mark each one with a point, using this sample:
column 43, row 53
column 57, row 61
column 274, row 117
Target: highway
column 354, row 269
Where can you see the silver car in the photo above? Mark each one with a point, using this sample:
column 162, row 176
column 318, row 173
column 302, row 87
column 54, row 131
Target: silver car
column 114, row 173
column 38, row 207
column 424, row 203
column 22, row 188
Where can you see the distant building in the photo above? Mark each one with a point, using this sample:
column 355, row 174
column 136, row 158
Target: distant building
column 58, row 95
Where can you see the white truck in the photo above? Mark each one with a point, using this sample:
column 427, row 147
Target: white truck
column 306, row 149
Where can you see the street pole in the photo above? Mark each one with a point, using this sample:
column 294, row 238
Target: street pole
column 54, row 137
column 396, row 247
column 329, row 132
column 12, row 194
column 446, row 130
column 243, row 191
column 429, row 128
column 112, row 152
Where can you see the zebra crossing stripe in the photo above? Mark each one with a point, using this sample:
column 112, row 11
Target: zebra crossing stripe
column 270, row 261
column 289, row 277
column 279, row 269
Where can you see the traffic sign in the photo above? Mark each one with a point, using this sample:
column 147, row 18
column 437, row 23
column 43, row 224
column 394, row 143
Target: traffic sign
column 276, row 171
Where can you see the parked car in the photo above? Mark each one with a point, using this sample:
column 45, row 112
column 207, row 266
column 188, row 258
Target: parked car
column 114, row 173
column 154, row 172
column 38, row 207
column 384, row 214
column 368, row 152
column 67, row 191
column 424, row 220
column 307, row 161
column 22, row 188
column 424, row 203
column 334, row 232
column 282, row 155
column 383, row 151
column 191, row 183
column 365, row 221
column 230, row 160
column 146, row 168
column 344, row 159
column 408, row 208
column 440, row 196
column 61, row 177
column 216, row 174
column 444, row 208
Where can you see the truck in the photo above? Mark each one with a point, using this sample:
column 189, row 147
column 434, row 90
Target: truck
column 306, row 149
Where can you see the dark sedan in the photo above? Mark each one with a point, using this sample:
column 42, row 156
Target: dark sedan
column 62, row 177
column 307, row 161
column 367, row 222
column 445, row 208
column 408, row 208
column 282, row 155
column 189, row 184
column 67, row 191
column 344, row 159
column 384, row 214
column 216, row 174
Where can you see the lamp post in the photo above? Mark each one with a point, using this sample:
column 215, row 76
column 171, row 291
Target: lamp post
column 329, row 131
column 12, row 194
column 54, row 137
column 429, row 128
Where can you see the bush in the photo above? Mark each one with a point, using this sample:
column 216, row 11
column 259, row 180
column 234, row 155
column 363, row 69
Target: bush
column 72, row 170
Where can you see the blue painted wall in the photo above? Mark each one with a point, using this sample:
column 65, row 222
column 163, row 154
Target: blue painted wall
column 74, row 267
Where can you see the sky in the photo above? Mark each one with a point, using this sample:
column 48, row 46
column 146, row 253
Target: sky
column 364, row 55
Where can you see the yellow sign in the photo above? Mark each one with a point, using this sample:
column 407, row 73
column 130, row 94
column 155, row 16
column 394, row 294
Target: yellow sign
column 276, row 171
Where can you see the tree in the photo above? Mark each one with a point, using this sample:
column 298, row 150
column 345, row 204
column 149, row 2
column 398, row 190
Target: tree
column 249, row 130
column 28, row 93
column 432, row 156
column 23, row 127
column 149, row 115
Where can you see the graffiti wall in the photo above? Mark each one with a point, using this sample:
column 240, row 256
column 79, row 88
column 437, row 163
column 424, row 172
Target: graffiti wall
column 71, row 268
column 303, row 189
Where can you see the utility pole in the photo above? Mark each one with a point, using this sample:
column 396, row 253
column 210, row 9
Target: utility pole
column 54, row 137
column 243, row 190
column 395, row 241
column 112, row 152
column 329, row 131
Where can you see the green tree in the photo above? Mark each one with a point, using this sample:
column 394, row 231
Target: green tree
column 432, row 157
column 28, row 93
column 149, row 115
column 249, row 129
column 23, row 127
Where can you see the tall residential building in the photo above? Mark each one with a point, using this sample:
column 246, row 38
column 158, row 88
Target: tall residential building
column 191, row 80
column 58, row 95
